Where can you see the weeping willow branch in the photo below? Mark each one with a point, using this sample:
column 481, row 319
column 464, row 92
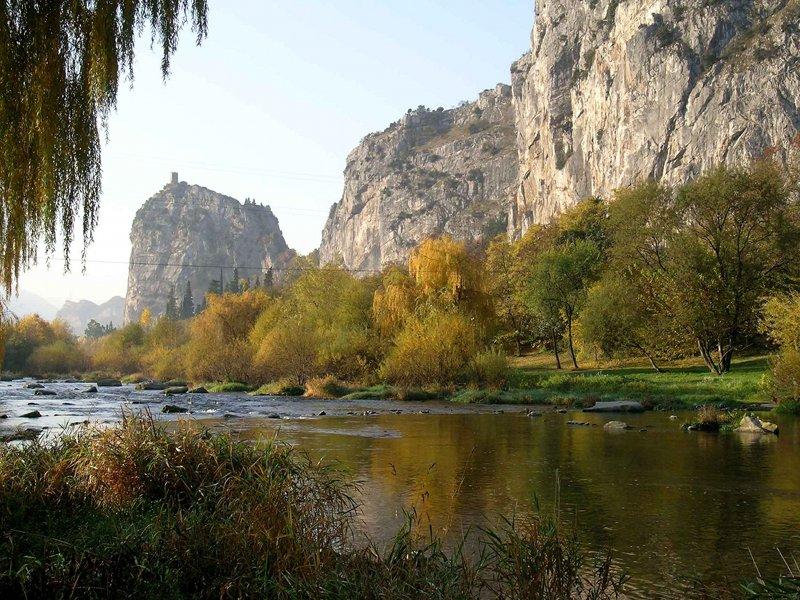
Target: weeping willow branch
column 61, row 62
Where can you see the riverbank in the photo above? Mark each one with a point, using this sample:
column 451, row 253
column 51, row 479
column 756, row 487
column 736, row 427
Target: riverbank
column 531, row 380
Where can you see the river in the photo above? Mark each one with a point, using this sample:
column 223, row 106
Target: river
column 676, row 507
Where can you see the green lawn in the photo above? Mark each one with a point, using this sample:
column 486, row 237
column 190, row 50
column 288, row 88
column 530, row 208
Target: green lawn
column 679, row 386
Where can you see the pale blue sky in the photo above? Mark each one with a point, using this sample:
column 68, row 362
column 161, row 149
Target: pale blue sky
column 271, row 103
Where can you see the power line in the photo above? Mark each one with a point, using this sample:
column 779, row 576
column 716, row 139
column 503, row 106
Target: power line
column 140, row 263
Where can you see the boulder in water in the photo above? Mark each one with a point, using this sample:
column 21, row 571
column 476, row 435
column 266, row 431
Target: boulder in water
column 34, row 386
column 172, row 409
column 91, row 390
column 176, row 390
column 109, row 383
column 198, row 390
column 151, row 386
column 616, row 426
column 752, row 424
column 622, row 406
column 34, row 414
column 44, row 393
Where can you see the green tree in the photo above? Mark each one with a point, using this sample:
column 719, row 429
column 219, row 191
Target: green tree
column 94, row 330
column 187, row 302
column 234, row 287
column 559, row 282
column 708, row 254
column 505, row 282
column 62, row 62
column 171, row 310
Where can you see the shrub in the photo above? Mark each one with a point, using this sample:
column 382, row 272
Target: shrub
column 229, row 387
column 489, row 368
column 280, row 388
column 325, row 387
column 289, row 350
column 433, row 350
column 219, row 346
column 58, row 357
column 783, row 383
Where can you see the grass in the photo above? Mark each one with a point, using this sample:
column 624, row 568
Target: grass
column 279, row 388
column 139, row 511
column 680, row 385
column 228, row 387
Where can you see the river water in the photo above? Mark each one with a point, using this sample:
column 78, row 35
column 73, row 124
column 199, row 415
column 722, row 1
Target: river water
column 678, row 509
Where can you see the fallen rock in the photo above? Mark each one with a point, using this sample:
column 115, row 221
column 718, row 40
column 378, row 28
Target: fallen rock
column 623, row 406
column 109, row 383
column 91, row 390
column 176, row 390
column 198, row 390
column 172, row 409
column 44, row 393
column 752, row 424
column 34, row 414
column 617, row 426
column 33, row 386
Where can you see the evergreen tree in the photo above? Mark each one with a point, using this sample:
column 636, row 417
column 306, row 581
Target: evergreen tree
column 257, row 284
column 269, row 279
column 171, row 311
column 187, row 304
column 233, row 286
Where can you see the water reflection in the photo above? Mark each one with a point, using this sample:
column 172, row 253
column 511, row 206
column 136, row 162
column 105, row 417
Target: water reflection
column 673, row 505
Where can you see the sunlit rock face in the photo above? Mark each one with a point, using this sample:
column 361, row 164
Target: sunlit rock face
column 614, row 91
column 188, row 233
column 433, row 172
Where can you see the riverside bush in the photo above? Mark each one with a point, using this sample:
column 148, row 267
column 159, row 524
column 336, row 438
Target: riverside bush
column 489, row 368
column 432, row 350
column 137, row 511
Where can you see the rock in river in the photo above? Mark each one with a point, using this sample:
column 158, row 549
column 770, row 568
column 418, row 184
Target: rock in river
column 625, row 406
column 752, row 424
column 172, row 409
column 176, row 390
column 34, row 414
column 109, row 383
column 151, row 385
column 198, row 390
column 44, row 393
column 616, row 426
column 33, row 386
column 91, row 390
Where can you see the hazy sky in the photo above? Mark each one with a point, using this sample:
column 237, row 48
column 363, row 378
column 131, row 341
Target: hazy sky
column 271, row 103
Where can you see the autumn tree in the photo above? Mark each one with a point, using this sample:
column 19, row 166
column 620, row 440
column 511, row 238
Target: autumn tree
column 219, row 346
column 62, row 62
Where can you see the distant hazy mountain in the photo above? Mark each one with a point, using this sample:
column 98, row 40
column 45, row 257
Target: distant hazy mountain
column 28, row 303
column 78, row 314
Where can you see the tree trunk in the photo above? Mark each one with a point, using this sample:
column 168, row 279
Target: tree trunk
column 725, row 358
column 571, row 346
column 555, row 350
column 653, row 364
column 708, row 359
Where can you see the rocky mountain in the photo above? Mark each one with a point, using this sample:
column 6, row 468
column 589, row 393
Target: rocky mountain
column 433, row 172
column 190, row 233
column 28, row 303
column 613, row 91
column 78, row 314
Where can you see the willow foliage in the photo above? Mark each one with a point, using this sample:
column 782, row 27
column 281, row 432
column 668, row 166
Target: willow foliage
column 61, row 62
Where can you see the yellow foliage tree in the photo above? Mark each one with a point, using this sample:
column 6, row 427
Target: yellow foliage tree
column 219, row 347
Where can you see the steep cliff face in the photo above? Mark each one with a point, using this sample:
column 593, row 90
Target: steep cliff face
column 190, row 233
column 618, row 90
column 434, row 172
